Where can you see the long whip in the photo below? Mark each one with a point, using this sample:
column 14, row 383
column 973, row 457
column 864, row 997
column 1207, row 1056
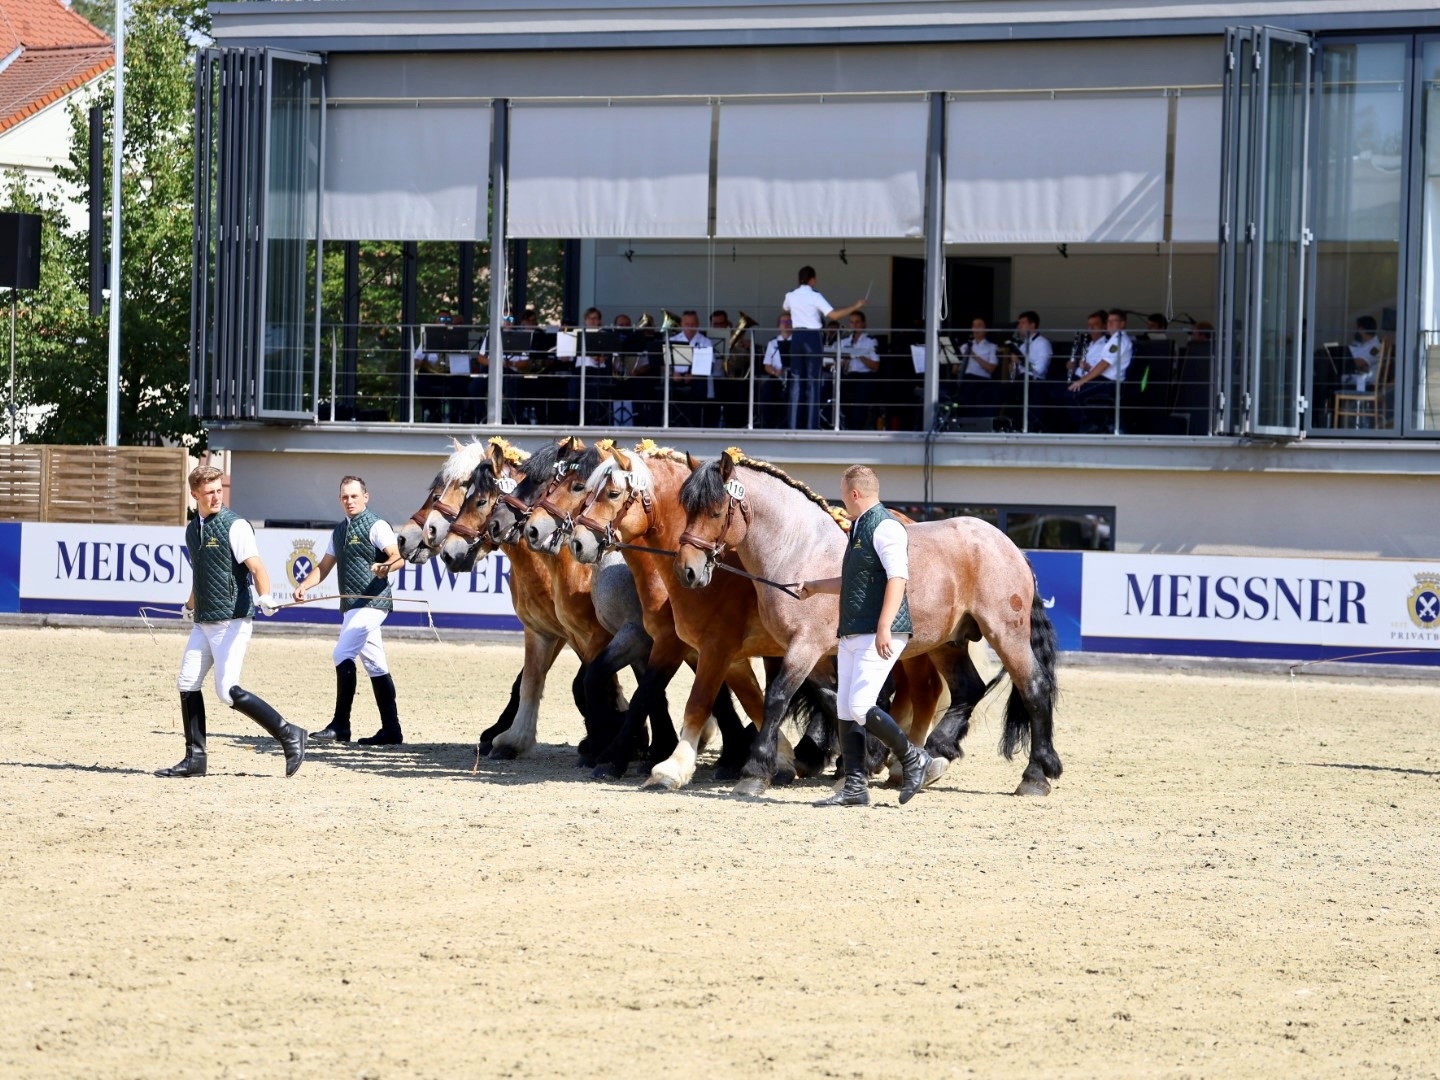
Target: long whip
column 179, row 613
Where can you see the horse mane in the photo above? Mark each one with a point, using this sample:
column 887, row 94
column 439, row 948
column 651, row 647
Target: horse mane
column 647, row 448
column 540, row 466
column 464, row 460
column 705, row 487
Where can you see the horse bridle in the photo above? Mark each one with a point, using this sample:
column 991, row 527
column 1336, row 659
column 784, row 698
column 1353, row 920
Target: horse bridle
column 474, row 535
column 450, row 513
column 715, row 549
column 524, row 510
column 606, row 531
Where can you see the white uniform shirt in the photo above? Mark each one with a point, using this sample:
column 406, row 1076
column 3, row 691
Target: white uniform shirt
column 1118, row 346
column 381, row 535
column 699, row 341
column 893, row 548
column 986, row 351
column 807, row 308
column 1366, row 355
column 773, row 357
column 1037, row 351
column 858, row 350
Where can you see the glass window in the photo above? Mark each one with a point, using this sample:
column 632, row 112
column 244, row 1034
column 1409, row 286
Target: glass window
column 1359, row 173
column 290, row 238
column 1426, row 408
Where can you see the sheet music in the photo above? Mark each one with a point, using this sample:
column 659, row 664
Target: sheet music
column 702, row 362
column 567, row 344
column 917, row 358
column 459, row 363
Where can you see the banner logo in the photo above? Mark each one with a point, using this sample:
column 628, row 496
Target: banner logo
column 301, row 560
column 1424, row 602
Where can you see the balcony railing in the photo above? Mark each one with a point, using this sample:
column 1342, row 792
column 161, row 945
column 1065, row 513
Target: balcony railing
column 609, row 377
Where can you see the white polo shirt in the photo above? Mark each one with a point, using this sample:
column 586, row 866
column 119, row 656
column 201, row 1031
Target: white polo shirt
column 857, row 351
column 807, row 308
column 983, row 350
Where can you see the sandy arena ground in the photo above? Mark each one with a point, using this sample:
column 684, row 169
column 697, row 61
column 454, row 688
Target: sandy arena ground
column 1237, row 876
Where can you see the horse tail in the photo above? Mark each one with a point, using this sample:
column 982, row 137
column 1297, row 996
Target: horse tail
column 1033, row 706
column 812, row 712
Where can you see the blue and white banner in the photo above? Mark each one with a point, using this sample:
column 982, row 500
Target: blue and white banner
column 114, row 569
column 1261, row 607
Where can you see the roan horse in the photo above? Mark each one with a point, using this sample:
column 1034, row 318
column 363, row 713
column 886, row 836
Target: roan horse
column 967, row 581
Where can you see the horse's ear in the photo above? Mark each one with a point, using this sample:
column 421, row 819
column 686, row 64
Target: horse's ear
column 621, row 458
column 690, row 461
column 572, row 444
column 727, row 466
column 497, row 458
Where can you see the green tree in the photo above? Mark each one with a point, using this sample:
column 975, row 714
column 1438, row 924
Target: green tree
column 62, row 353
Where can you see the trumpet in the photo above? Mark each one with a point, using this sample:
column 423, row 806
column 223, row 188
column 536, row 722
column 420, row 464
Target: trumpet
column 737, row 363
column 646, row 322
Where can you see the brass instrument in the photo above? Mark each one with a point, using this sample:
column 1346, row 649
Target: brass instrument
column 646, row 322
column 668, row 320
column 737, row 361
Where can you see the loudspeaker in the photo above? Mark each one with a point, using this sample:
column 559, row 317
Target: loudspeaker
column 20, row 251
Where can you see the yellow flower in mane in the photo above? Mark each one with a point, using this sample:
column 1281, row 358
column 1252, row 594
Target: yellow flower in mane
column 605, row 445
column 512, row 454
column 646, row 447
column 735, row 454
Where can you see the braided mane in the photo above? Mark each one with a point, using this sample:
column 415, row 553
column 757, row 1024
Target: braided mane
column 704, row 487
column 647, row 448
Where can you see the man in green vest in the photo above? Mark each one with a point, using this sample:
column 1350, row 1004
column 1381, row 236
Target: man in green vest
column 874, row 630
column 224, row 560
column 363, row 546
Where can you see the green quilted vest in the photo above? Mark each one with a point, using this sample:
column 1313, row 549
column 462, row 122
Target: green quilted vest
column 862, row 580
column 222, row 586
column 354, row 555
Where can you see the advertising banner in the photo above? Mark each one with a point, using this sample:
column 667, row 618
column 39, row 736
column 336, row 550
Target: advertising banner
column 114, row 569
column 1058, row 575
column 1261, row 607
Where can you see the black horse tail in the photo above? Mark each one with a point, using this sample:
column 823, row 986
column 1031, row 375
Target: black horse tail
column 1032, row 707
column 812, row 713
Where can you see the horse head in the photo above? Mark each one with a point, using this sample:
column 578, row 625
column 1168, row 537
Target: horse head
column 618, row 508
column 410, row 537
column 551, row 518
column 450, row 490
column 535, row 477
column 711, row 498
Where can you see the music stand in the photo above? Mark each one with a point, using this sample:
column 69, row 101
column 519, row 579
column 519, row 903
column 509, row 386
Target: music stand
column 515, row 342
column 600, row 343
column 443, row 339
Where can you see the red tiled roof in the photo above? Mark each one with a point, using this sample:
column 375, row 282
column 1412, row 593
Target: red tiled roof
column 58, row 53
column 42, row 77
column 43, row 24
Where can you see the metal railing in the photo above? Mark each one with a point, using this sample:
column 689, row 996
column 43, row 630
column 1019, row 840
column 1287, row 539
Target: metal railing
column 656, row 379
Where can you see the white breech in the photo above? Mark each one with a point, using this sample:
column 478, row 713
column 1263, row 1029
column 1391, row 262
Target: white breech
column 862, row 673
column 220, row 645
column 360, row 636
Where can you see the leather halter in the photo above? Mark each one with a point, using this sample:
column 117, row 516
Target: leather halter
column 606, row 530
column 715, row 549
column 419, row 516
column 523, row 510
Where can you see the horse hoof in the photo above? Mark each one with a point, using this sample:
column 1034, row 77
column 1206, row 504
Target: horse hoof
column 1033, row 787
column 485, row 749
column 727, row 774
column 783, row 777
column 935, row 770
column 586, row 761
column 660, row 783
column 751, row 787
column 607, row 771
column 502, row 753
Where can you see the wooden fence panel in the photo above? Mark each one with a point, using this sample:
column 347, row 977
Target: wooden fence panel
column 22, row 482
column 128, row 485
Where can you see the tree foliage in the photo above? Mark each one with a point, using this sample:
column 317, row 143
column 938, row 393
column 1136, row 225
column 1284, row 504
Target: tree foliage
column 61, row 352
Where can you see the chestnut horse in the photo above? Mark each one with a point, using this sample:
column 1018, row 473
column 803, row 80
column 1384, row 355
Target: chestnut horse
column 556, row 604
column 968, row 580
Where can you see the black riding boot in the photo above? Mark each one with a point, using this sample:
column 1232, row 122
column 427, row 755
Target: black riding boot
column 912, row 759
column 389, row 733
column 192, row 714
column 856, row 791
column 290, row 737
column 339, row 728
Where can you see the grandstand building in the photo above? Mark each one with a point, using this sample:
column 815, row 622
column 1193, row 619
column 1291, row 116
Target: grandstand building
column 1264, row 175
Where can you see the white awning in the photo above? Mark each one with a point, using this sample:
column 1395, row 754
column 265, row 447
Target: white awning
column 616, row 171
column 821, row 169
column 1195, row 207
column 1074, row 169
column 407, row 172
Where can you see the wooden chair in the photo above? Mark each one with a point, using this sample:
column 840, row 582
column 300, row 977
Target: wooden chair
column 1368, row 404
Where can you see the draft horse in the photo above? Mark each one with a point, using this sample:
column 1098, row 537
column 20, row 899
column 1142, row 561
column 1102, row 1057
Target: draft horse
column 968, row 580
